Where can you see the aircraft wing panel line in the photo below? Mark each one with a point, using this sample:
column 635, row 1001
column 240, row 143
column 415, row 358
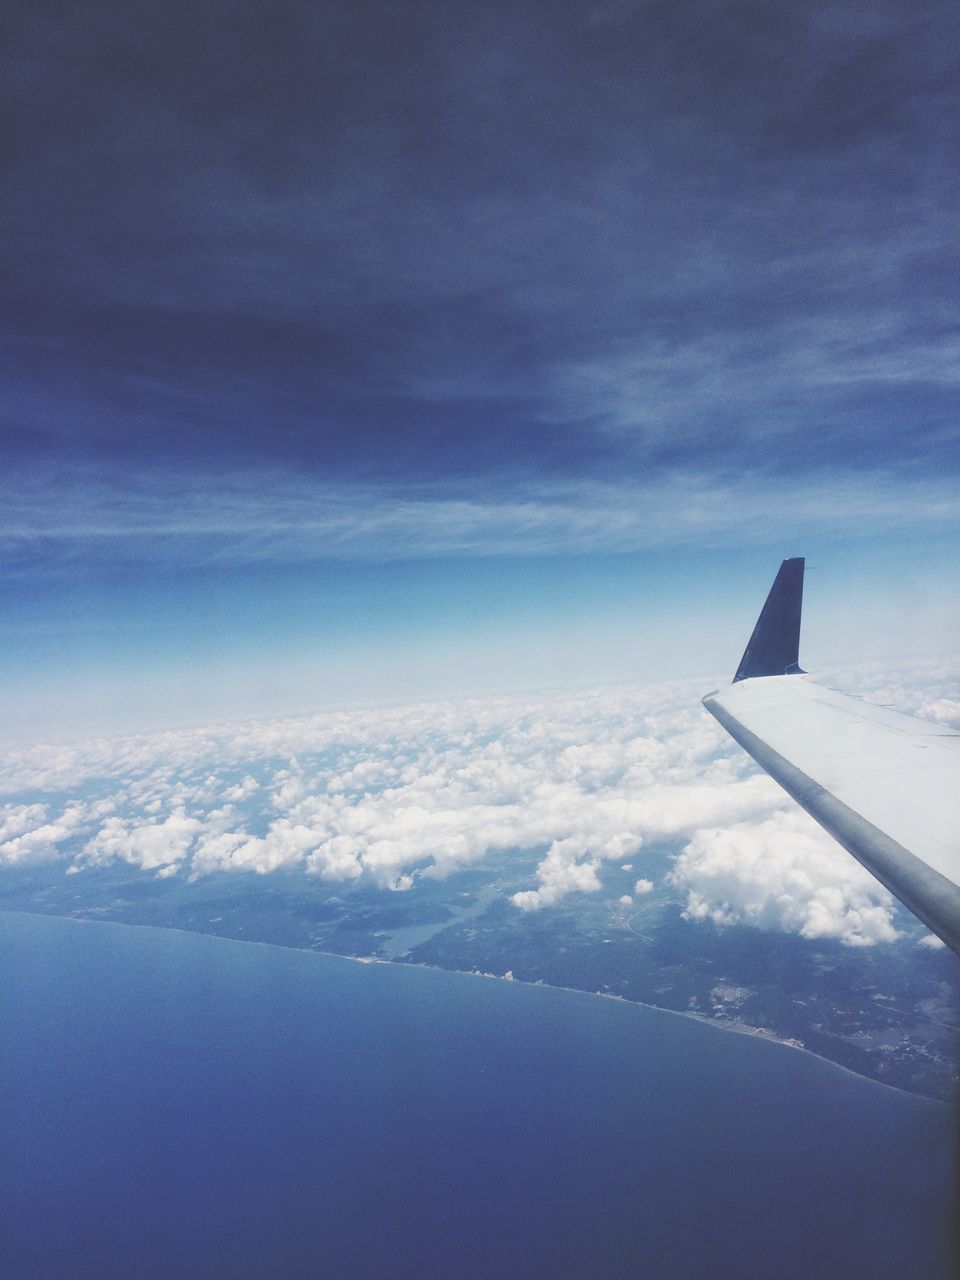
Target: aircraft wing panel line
column 931, row 896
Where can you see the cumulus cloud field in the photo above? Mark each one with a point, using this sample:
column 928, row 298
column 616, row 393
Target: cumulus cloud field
column 586, row 779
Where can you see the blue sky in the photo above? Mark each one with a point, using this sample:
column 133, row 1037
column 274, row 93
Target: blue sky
column 367, row 350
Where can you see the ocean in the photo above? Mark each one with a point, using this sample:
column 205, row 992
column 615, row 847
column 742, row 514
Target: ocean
column 178, row 1106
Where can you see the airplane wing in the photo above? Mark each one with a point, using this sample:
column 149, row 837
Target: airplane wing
column 886, row 786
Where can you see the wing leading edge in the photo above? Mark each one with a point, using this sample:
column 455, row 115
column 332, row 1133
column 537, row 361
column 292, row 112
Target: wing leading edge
column 886, row 786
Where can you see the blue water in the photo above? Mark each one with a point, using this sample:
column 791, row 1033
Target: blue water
column 180, row 1106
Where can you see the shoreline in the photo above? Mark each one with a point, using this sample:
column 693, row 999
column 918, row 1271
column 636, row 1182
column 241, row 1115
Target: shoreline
column 733, row 1028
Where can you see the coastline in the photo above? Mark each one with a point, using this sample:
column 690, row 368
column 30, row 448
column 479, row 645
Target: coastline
column 743, row 1029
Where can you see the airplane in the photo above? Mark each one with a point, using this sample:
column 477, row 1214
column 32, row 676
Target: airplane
column 886, row 786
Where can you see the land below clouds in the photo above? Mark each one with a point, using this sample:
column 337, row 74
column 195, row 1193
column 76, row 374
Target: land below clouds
column 610, row 840
column 888, row 1013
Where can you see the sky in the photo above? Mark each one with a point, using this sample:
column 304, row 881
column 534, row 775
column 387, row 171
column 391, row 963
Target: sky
column 369, row 351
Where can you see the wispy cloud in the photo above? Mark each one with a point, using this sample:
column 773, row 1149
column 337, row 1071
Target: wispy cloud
column 796, row 373
column 238, row 519
column 580, row 240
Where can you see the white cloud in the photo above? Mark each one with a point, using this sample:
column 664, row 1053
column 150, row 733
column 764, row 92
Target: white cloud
column 941, row 710
column 285, row 844
column 15, row 819
column 394, row 794
column 26, row 834
column 337, row 859
column 148, row 845
column 783, row 873
column 561, row 872
column 626, row 900
column 243, row 789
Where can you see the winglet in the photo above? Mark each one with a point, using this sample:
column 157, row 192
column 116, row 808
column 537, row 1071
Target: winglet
column 774, row 647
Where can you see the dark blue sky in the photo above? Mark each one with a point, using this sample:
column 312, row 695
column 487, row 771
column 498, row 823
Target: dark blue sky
column 301, row 291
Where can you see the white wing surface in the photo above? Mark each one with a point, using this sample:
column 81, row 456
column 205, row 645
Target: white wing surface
column 885, row 785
